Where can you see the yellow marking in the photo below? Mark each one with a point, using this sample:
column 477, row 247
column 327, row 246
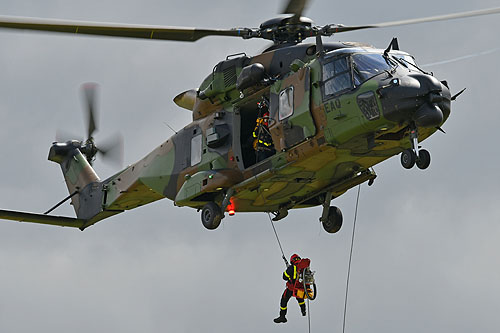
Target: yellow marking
column 294, row 272
column 152, row 32
column 286, row 274
column 77, row 30
column 302, row 303
column 283, row 308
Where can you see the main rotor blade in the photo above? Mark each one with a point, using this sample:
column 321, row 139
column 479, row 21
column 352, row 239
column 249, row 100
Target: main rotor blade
column 465, row 57
column 342, row 28
column 295, row 7
column 116, row 29
column 90, row 94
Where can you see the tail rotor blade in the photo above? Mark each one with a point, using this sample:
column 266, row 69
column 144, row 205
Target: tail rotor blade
column 111, row 150
column 90, row 106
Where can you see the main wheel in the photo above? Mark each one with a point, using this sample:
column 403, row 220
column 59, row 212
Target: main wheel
column 408, row 158
column 333, row 222
column 424, row 159
column 211, row 216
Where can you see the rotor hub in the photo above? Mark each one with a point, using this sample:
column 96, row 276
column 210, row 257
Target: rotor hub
column 288, row 29
column 89, row 149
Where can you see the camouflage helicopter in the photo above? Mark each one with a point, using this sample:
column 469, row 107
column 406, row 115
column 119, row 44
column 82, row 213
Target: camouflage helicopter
column 335, row 111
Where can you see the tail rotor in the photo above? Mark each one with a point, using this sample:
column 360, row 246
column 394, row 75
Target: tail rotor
column 111, row 149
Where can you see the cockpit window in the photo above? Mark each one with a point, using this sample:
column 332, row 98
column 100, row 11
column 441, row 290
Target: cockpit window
column 337, row 76
column 367, row 65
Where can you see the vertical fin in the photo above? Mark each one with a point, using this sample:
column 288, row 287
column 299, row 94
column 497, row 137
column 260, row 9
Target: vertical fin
column 79, row 177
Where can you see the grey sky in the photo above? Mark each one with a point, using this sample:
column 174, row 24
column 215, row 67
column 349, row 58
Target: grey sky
column 426, row 253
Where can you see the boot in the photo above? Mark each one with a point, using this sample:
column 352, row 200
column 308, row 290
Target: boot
column 280, row 319
column 303, row 309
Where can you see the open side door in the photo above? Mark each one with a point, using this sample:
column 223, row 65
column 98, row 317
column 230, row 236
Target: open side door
column 290, row 110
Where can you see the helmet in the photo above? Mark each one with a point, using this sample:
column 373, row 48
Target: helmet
column 262, row 104
column 294, row 259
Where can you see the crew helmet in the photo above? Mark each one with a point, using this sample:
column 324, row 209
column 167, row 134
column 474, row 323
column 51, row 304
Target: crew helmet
column 295, row 259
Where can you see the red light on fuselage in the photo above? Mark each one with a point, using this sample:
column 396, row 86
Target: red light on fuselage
column 230, row 208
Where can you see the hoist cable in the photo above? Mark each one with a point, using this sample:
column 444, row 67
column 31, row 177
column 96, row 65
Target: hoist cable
column 277, row 238
column 286, row 263
column 350, row 259
column 308, row 315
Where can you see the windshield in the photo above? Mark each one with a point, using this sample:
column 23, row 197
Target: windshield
column 367, row 65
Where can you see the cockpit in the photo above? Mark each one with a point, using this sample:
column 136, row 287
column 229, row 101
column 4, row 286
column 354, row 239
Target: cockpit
column 347, row 70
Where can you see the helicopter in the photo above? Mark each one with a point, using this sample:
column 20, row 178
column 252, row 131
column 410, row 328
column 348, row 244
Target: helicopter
column 335, row 111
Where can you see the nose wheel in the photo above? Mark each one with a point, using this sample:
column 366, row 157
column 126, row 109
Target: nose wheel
column 424, row 159
column 420, row 157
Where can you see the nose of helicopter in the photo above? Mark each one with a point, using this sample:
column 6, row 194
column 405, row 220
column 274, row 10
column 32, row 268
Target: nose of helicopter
column 416, row 97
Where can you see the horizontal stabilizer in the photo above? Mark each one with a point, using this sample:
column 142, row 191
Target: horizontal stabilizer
column 41, row 218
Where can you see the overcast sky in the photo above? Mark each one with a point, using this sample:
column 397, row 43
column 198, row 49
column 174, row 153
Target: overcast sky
column 426, row 250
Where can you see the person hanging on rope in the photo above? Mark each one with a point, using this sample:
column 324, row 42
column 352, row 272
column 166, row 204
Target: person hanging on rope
column 263, row 142
column 290, row 275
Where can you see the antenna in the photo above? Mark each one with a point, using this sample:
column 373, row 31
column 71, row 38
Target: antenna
column 170, row 127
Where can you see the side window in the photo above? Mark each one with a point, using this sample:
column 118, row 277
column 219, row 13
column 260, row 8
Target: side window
column 196, row 149
column 286, row 103
column 336, row 76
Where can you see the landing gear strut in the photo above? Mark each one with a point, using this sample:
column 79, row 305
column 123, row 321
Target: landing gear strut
column 331, row 218
column 410, row 157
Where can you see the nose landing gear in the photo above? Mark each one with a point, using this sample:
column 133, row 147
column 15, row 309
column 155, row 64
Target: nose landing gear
column 410, row 157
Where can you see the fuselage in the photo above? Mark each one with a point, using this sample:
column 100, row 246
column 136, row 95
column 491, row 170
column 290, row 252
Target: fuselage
column 334, row 115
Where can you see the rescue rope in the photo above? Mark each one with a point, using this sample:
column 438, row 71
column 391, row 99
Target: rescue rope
column 308, row 315
column 286, row 263
column 277, row 238
column 350, row 259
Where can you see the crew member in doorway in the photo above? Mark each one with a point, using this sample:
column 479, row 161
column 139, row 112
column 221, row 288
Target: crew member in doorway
column 263, row 142
column 290, row 275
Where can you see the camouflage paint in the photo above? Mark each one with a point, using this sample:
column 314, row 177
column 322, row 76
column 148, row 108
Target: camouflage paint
column 334, row 150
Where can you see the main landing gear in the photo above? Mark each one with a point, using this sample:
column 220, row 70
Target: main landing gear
column 211, row 215
column 331, row 218
column 410, row 157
